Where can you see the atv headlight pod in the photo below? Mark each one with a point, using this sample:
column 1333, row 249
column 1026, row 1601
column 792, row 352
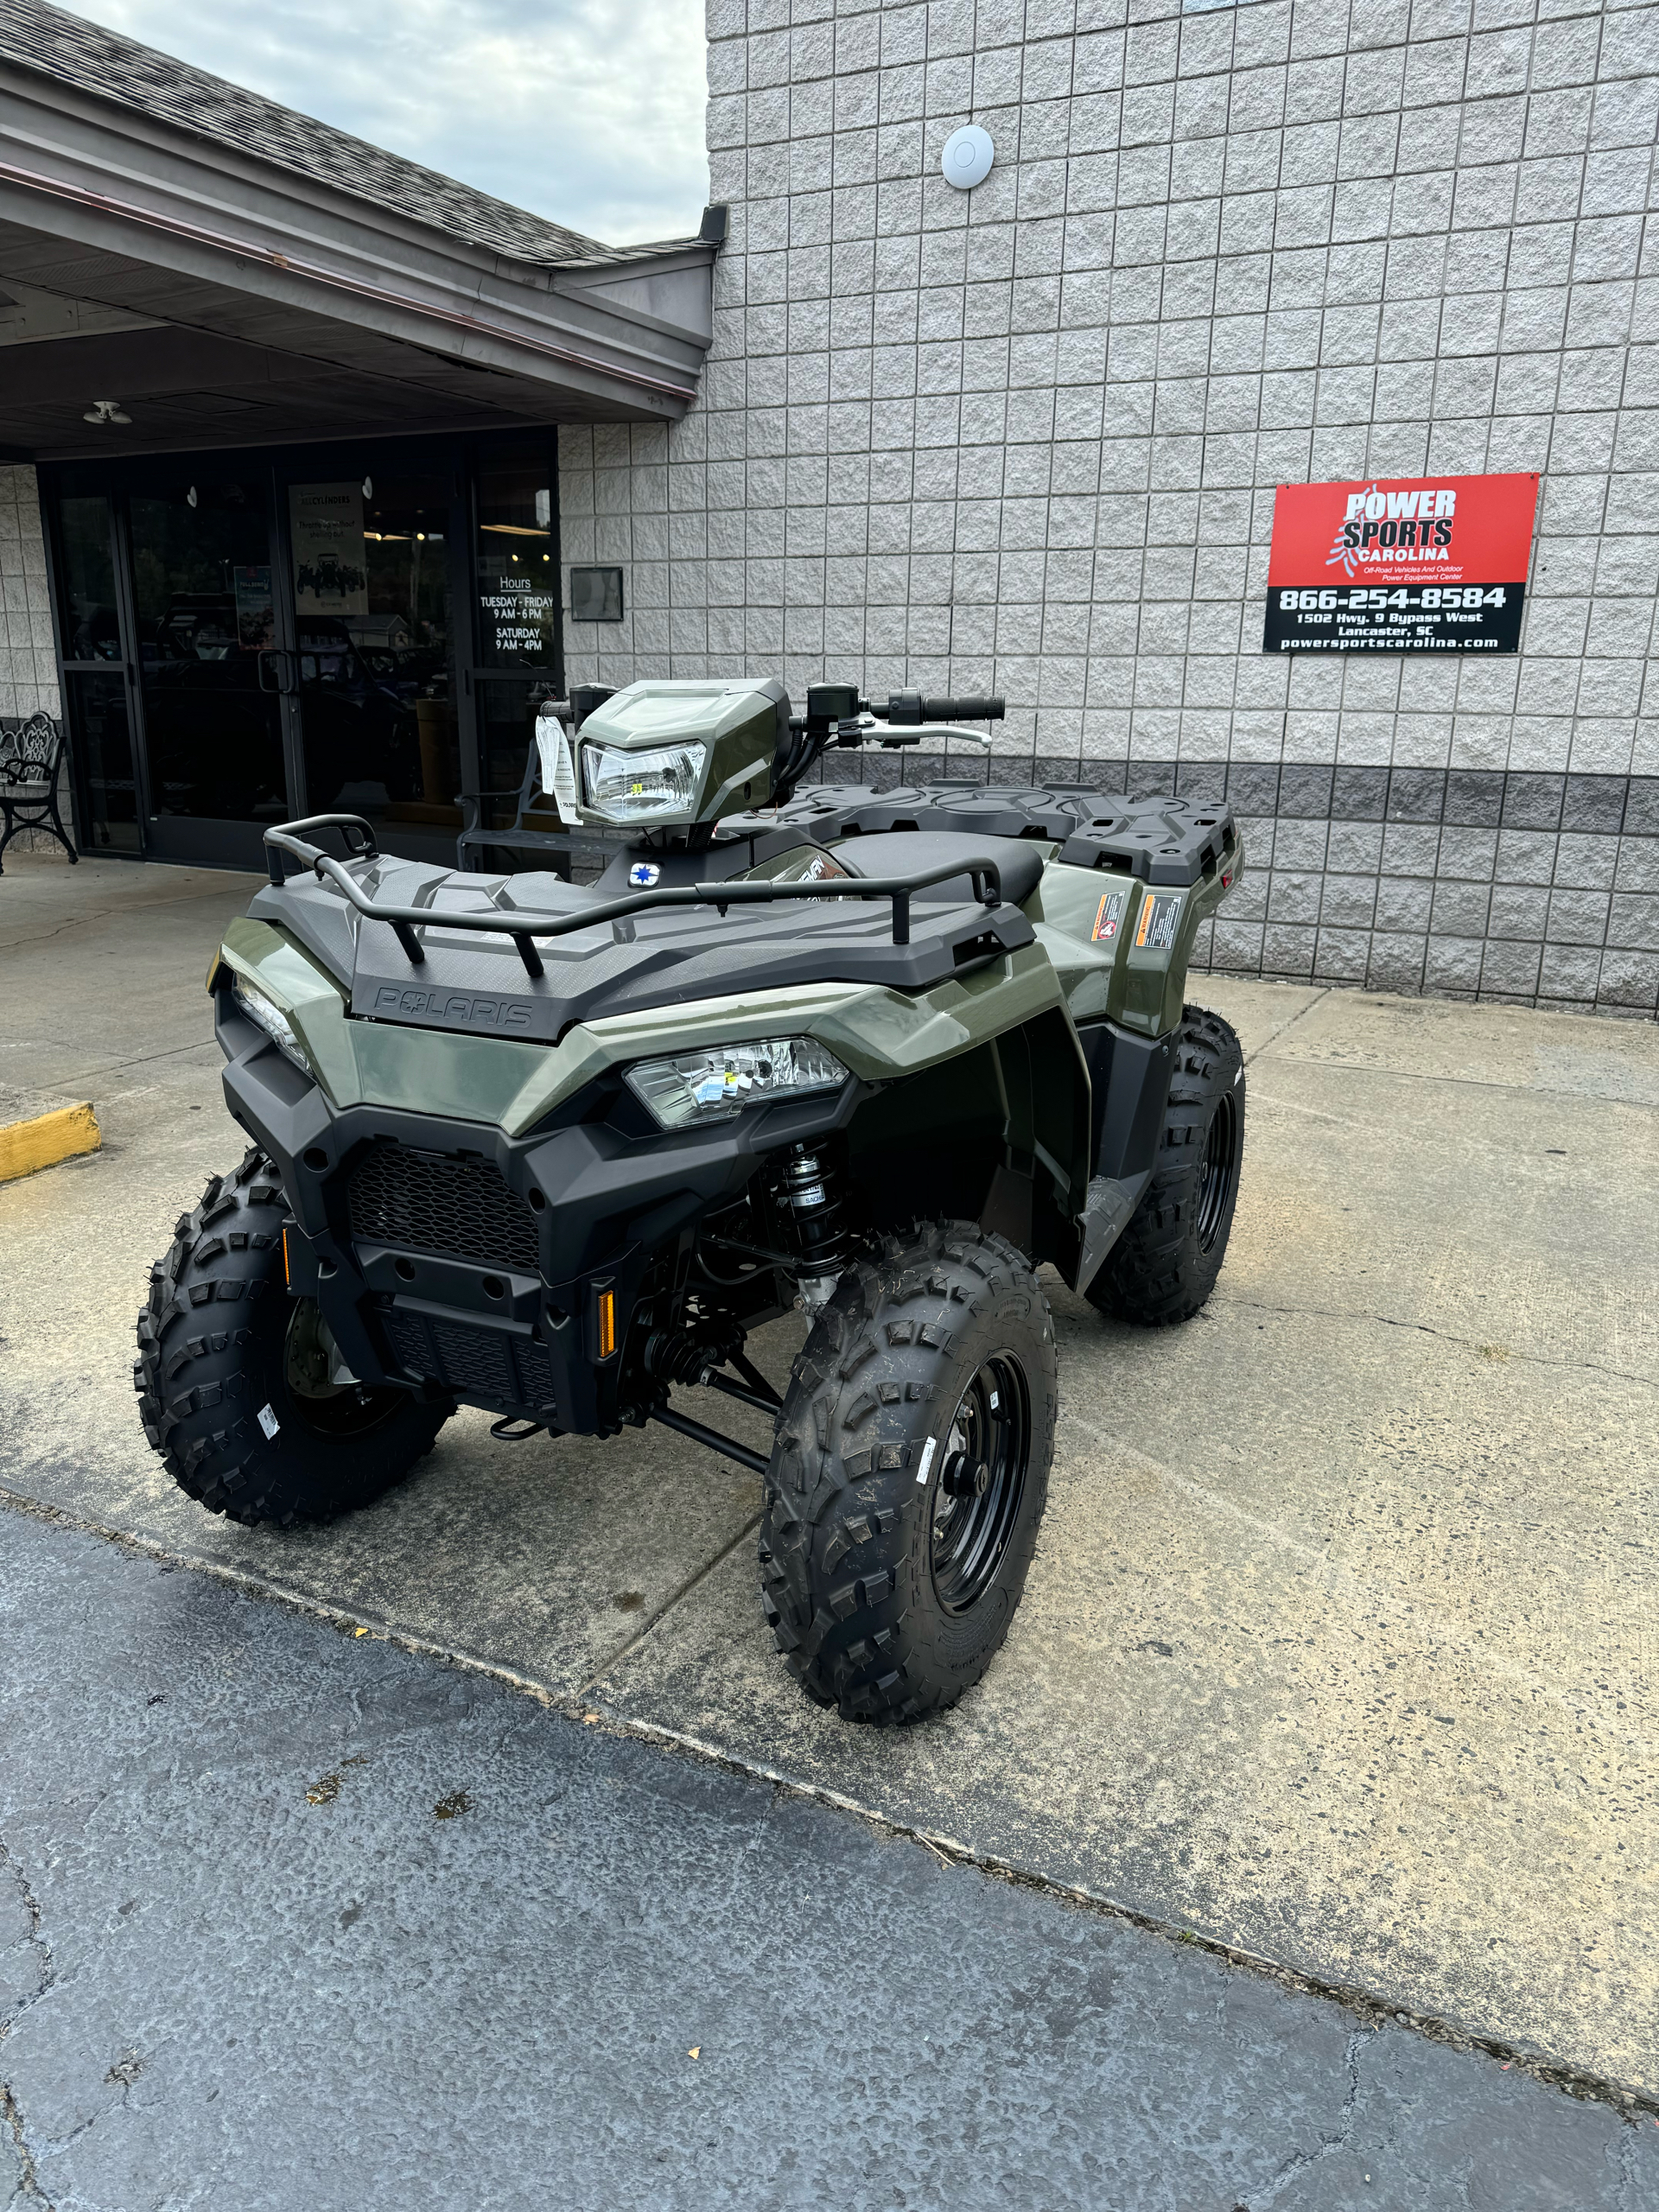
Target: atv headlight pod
column 266, row 1015
column 717, row 1081
column 661, row 786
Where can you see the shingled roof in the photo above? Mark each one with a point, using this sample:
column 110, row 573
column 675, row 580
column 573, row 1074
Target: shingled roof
column 102, row 63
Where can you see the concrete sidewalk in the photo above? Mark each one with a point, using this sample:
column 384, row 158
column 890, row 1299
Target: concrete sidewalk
column 1337, row 1649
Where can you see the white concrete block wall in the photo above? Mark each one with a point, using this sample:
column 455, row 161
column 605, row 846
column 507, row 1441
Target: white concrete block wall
column 28, row 668
column 1026, row 438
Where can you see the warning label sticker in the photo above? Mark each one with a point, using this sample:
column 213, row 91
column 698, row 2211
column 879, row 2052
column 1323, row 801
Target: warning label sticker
column 1107, row 918
column 1161, row 915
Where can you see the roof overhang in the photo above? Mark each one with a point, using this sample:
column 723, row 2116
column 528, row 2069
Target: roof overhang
column 248, row 304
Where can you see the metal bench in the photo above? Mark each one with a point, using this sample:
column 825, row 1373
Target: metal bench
column 31, row 755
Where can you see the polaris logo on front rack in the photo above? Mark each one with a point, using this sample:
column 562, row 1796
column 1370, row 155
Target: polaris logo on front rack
column 452, row 1006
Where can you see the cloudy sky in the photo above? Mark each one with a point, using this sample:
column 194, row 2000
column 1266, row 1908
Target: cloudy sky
column 586, row 110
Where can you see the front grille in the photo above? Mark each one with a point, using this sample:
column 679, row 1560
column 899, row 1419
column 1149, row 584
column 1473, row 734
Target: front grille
column 456, row 1209
column 511, row 1370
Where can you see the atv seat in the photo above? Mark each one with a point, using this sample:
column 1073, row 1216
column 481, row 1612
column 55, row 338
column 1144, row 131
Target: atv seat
column 1018, row 861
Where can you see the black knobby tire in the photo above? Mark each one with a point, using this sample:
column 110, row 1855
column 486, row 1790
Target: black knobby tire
column 876, row 1611
column 1165, row 1264
column 220, row 1341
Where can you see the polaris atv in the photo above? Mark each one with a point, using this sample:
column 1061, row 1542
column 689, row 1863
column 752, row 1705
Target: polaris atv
column 554, row 1149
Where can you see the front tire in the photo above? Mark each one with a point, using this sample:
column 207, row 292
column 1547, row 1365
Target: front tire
column 1164, row 1265
column 910, row 1473
column 241, row 1388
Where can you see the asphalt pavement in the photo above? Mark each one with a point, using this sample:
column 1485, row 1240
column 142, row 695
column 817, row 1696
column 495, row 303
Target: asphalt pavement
column 292, row 1917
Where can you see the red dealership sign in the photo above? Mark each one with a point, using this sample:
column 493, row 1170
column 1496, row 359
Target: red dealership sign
column 1400, row 565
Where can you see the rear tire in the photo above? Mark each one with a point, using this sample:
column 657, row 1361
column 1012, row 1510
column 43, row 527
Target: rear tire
column 221, row 1343
column 1165, row 1264
column 890, row 1564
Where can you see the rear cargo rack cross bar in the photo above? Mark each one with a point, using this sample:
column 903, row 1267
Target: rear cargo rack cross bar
column 984, row 875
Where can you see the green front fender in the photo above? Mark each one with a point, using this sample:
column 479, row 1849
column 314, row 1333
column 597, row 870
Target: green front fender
column 881, row 1034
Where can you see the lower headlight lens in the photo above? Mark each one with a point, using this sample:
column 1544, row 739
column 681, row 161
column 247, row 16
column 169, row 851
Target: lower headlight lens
column 713, row 1084
column 266, row 1015
column 656, row 786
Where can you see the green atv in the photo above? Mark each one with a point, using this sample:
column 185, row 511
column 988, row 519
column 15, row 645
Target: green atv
column 554, row 1148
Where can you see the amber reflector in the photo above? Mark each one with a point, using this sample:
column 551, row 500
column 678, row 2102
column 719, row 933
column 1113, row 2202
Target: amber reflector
column 606, row 1325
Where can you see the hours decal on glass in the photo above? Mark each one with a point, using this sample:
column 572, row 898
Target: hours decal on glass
column 1400, row 565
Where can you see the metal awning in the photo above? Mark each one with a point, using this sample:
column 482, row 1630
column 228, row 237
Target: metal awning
column 248, row 275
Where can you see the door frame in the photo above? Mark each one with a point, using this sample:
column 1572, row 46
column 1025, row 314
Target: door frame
column 125, row 667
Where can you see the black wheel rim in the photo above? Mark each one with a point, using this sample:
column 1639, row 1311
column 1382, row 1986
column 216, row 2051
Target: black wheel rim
column 1217, row 1173
column 971, row 1528
column 323, row 1392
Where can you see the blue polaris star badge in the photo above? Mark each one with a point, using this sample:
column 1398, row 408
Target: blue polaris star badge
column 644, row 873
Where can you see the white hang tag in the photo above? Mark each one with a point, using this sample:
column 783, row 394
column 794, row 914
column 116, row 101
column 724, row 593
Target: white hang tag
column 563, row 769
column 550, row 743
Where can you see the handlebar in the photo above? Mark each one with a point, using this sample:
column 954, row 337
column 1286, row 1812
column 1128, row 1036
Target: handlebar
column 911, row 708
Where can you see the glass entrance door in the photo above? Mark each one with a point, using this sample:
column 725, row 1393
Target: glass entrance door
column 370, row 556
column 520, row 641
column 210, row 676
column 96, row 676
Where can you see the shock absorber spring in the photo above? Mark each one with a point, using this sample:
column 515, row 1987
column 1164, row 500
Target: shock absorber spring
column 806, row 1200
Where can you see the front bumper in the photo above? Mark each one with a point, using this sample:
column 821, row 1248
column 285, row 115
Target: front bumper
column 450, row 1257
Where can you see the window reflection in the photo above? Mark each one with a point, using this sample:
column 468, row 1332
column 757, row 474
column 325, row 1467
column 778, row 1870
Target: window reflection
column 100, row 731
column 375, row 664
column 201, row 585
column 91, row 630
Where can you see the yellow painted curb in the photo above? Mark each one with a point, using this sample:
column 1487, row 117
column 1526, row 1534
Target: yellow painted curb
column 46, row 1139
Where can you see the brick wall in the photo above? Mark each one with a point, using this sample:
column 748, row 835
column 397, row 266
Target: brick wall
column 1026, row 438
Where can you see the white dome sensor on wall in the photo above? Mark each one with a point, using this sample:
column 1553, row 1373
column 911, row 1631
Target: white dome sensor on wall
column 967, row 157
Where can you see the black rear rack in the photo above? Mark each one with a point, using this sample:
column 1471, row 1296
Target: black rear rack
column 359, row 839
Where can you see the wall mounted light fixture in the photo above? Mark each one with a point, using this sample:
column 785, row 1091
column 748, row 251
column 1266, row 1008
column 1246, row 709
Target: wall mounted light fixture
column 966, row 157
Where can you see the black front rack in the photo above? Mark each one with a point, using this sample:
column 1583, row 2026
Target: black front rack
column 359, row 839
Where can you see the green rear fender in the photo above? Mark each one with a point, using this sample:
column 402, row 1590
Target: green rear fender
column 1119, row 947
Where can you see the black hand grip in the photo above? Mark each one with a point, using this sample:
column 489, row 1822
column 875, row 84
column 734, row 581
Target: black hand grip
column 963, row 710
column 909, row 708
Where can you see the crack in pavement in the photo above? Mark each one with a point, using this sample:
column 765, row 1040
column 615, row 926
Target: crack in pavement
column 627, row 1650
column 133, row 1060
column 1299, row 2161
column 28, row 2189
column 1422, row 1623
column 116, row 914
column 1428, row 1329
column 1285, row 1028
column 1534, row 1090
column 1526, row 1163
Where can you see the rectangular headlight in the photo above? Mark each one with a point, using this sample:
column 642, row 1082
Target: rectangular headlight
column 266, row 1015
column 720, row 1080
column 661, row 786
